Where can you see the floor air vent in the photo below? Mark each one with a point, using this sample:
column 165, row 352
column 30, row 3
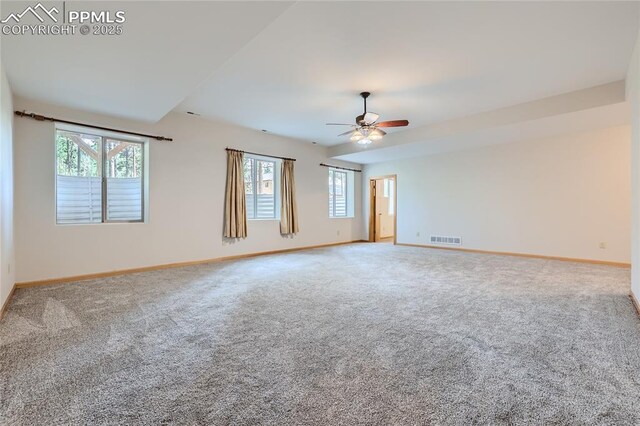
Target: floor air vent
column 456, row 241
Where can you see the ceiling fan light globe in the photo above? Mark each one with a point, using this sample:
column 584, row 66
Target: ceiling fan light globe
column 365, row 141
column 356, row 136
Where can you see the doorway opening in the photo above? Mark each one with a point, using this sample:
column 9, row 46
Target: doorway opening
column 382, row 209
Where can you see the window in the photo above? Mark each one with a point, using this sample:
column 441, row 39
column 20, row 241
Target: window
column 337, row 193
column 259, row 187
column 389, row 188
column 98, row 178
column 341, row 193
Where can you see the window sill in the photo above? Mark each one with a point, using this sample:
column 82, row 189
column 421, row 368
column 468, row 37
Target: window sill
column 264, row 220
column 342, row 217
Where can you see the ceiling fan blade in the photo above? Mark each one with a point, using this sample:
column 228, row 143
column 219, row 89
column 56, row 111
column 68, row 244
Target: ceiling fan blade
column 341, row 124
column 371, row 117
column 379, row 131
column 393, row 123
column 346, row 133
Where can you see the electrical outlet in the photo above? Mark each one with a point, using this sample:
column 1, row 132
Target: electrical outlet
column 603, row 245
column 338, row 232
column 8, row 268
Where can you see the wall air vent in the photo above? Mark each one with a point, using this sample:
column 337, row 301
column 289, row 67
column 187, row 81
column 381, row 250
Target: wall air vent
column 456, row 241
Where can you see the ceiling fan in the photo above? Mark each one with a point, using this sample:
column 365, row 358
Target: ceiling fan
column 367, row 128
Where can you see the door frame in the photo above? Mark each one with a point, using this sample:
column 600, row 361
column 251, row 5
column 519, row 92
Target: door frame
column 372, row 206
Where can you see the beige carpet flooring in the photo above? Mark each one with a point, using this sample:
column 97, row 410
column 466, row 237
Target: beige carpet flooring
column 356, row 334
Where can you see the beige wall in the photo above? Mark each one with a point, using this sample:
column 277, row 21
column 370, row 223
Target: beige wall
column 187, row 183
column 7, row 277
column 633, row 96
column 555, row 197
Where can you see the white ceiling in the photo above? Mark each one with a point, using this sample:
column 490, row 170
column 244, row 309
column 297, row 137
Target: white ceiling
column 424, row 61
column 541, row 128
column 574, row 112
column 290, row 68
column 166, row 50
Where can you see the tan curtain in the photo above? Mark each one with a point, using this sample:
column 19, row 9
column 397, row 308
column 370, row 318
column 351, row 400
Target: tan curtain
column 235, row 204
column 288, row 208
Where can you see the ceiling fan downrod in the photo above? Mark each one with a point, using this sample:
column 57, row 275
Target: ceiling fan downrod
column 365, row 95
column 360, row 119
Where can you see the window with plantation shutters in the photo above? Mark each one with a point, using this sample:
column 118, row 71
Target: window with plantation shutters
column 337, row 193
column 261, row 190
column 99, row 178
column 341, row 193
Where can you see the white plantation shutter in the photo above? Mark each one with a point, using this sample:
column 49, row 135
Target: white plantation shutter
column 266, row 207
column 79, row 199
column 124, row 198
column 250, row 201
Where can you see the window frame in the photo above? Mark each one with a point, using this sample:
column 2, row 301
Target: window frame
column 332, row 194
column 254, row 194
column 392, row 196
column 104, row 136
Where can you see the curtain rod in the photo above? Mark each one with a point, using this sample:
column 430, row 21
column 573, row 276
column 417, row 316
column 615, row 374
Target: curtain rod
column 262, row 155
column 341, row 168
column 57, row 120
